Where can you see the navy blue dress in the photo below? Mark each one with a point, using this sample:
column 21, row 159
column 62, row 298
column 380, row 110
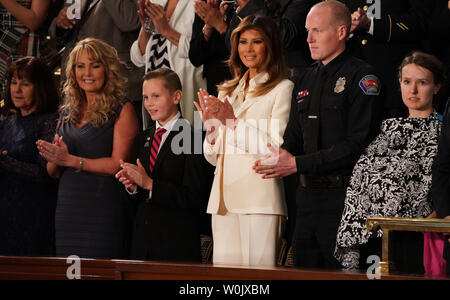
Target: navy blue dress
column 27, row 194
column 91, row 208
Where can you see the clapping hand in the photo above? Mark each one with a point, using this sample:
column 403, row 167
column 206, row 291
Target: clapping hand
column 208, row 114
column 214, row 109
column 63, row 21
column 158, row 16
column 134, row 175
column 242, row 3
column 56, row 152
column 210, row 13
column 360, row 20
column 143, row 12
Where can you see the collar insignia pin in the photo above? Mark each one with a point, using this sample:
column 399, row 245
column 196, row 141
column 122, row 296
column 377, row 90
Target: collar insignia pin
column 301, row 95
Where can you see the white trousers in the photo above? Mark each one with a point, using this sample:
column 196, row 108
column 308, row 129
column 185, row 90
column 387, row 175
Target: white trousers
column 246, row 240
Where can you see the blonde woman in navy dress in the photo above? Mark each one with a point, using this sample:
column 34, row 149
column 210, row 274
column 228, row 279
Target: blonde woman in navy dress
column 96, row 131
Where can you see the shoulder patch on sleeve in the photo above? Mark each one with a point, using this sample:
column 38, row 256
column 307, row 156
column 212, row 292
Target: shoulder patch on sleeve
column 370, row 85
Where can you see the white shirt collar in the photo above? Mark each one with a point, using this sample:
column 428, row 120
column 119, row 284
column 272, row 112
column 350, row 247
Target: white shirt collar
column 169, row 125
column 258, row 79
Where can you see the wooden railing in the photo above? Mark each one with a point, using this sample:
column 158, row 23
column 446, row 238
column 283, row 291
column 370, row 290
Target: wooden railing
column 29, row 268
column 387, row 225
column 39, row 268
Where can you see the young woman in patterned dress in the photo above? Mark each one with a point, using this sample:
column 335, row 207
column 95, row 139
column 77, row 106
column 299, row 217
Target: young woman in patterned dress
column 393, row 176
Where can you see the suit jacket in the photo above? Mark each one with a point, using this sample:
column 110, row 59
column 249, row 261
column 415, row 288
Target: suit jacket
column 402, row 25
column 262, row 120
column 168, row 226
column 114, row 21
column 440, row 184
column 441, row 171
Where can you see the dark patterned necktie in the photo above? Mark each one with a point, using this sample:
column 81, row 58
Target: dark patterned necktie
column 155, row 147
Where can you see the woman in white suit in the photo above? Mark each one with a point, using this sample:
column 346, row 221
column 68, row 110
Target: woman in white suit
column 164, row 42
column 251, row 112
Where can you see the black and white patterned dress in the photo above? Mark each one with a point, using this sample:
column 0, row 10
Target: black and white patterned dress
column 391, row 179
column 159, row 55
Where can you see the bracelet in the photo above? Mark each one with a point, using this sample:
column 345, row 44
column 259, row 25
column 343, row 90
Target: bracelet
column 80, row 168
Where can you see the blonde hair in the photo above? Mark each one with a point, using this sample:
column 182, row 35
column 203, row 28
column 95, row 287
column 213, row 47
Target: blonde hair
column 112, row 93
column 273, row 63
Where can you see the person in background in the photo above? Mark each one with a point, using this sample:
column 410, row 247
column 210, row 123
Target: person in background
column 441, row 169
column 28, row 194
column 96, row 130
column 252, row 110
column 169, row 181
column 166, row 29
column 440, row 181
column 384, row 36
column 207, row 45
column 392, row 178
column 439, row 47
column 20, row 33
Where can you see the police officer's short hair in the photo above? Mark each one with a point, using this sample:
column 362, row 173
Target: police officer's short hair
column 341, row 15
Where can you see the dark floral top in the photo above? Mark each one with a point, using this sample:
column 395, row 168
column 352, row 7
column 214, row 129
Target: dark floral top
column 27, row 194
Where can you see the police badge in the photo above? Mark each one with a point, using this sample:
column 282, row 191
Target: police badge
column 340, row 85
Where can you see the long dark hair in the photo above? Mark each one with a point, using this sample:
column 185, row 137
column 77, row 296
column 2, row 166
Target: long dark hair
column 273, row 64
column 35, row 70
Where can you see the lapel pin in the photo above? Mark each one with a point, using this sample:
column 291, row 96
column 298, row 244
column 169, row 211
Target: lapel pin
column 301, row 95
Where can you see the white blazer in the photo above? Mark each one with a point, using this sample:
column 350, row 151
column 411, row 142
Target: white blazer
column 262, row 120
column 191, row 77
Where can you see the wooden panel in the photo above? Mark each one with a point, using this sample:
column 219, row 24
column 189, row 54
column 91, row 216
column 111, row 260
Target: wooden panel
column 53, row 268
column 163, row 271
column 28, row 268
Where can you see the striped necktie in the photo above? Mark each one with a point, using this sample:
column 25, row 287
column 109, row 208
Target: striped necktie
column 155, row 148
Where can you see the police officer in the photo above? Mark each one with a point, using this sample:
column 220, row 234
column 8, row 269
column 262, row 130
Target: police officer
column 333, row 117
column 383, row 32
